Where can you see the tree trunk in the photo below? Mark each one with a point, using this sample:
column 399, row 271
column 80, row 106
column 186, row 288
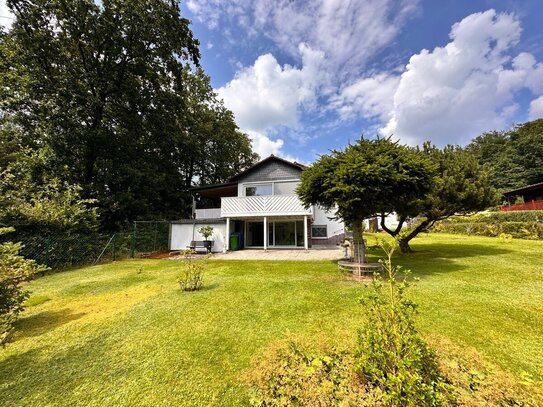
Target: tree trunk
column 359, row 247
column 404, row 241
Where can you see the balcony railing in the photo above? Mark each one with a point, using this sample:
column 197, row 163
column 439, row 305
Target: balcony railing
column 265, row 205
column 527, row 206
column 211, row 213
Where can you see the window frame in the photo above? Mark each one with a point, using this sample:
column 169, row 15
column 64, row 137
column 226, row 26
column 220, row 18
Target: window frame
column 319, row 237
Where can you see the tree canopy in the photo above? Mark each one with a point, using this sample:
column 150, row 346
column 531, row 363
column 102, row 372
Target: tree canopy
column 113, row 91
column 366, row 179
column 461, row 185
column 514, row 156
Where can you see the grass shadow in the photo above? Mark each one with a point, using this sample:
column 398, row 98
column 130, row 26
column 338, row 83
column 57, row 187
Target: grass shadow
column 38, row 324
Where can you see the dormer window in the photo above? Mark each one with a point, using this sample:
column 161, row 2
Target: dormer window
column 259, row 189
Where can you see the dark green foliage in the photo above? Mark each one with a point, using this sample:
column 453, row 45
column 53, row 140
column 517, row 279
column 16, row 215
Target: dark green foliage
column 365, row 179
column 460, row 186
column 14, row 269
column 390, row 354
column 112, row 91
column 515, row 156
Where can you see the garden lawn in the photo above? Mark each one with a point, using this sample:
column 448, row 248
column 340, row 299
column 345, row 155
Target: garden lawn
column 124, row 334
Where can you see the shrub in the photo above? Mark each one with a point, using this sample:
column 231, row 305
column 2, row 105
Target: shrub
column 391, row 355
column 14, row 269
column 192, row 276
column 206, row 231
column 291, row 375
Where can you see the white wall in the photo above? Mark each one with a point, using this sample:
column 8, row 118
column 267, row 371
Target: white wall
column 321, row 217
column 183, row 233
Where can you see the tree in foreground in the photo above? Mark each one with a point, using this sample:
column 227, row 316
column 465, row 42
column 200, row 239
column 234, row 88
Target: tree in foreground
column 366, row 179
column 14, row 269
column 113, row 90
column 461, row 186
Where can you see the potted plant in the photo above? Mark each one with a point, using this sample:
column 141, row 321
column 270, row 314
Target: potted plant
column 206, row 231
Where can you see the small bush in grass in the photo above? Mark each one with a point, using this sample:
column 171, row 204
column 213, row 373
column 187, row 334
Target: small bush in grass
column 289, row 374
column 14, row 269
column 192, row 276
column 390, row 354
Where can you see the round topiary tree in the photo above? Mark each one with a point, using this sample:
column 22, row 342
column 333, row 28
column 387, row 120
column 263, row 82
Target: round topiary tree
column 366, row 179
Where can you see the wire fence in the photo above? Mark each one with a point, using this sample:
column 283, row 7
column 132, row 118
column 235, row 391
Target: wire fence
column 66, row 250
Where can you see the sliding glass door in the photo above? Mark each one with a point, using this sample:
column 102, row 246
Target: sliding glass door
column 280, row 234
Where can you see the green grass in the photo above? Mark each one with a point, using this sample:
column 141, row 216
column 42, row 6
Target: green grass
column 124, row 334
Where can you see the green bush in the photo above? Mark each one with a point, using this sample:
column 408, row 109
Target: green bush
column 192, row 276
column 391, row 355
column 14, row 269
column 518, row 230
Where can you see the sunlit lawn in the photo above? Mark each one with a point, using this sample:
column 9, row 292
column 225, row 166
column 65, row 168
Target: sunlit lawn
column 123, row 333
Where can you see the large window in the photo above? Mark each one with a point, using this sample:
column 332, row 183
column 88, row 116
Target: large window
column 259, row 189
column 286, row 188
column 319, row 231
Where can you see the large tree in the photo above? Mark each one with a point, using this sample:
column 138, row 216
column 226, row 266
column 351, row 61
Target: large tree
column 112, row 89
column 366, row 179
column 514, row 156
column 460, row 186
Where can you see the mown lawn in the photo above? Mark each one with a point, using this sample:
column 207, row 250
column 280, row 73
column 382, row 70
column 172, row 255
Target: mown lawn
column 123, row 333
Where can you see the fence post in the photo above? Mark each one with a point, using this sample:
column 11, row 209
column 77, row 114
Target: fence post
column 114, row 246
column 154, row 238
column 133, row 242
column 47, row 248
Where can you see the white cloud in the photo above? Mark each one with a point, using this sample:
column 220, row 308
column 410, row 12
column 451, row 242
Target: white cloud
column 349, row 33
column 263, row 145
column 452, row 93
column 331, row 40
column 536, row 108
column 6, row 16
column 371, row 97
column 267, row 95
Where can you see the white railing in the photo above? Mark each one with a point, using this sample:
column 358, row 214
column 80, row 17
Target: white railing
column 211, row 213
column 266, row 205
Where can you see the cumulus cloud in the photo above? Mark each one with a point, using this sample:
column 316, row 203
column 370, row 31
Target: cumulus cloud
column 6, row 16
column 330, row 41
column 263, row 145
column 266, row 95
column 454, row 92
column 349, row 33
column 536, row 108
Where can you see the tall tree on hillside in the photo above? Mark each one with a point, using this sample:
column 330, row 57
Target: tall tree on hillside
column 366, row 179
column 515, row 156
column 460, row 186
column 108, row 88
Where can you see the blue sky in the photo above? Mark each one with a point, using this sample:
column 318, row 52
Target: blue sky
column 303, row 77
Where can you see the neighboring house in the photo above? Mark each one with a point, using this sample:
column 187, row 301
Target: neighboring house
column 531, row 194
column 260, row 204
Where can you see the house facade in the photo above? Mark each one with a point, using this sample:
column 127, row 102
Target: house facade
column 532, row 195
column 261, row 208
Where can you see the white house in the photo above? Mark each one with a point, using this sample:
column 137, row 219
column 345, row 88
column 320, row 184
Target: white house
column 260, row 206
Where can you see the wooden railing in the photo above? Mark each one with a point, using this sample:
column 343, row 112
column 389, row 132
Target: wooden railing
column 266, row 205
column 527, row 206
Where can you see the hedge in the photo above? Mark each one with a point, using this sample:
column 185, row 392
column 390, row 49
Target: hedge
column 518, row 224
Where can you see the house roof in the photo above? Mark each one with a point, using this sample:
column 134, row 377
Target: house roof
column 216, row 191
column 527, row 188
column 259, row 164
column 230, row 188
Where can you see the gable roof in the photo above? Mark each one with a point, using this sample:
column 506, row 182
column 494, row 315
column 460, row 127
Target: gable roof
column 265, row 161
column 527, row 188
